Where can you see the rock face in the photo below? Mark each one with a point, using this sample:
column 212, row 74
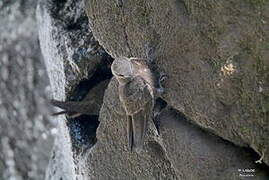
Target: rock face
column 25, row 126
column 76, row 64
column 182, row 151
column 217, row 78
column 215, row 55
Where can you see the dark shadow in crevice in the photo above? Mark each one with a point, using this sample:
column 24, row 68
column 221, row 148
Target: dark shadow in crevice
column 255, row 156
column 77, row 24
column 159, row 105
column 82, row 131
column 83, row 128
column 66, row 13
column 55, row 7
column 102, row 73
column 248, row 151
column 70, row 19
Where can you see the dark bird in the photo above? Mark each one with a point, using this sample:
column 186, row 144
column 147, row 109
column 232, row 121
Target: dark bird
column 90, row 105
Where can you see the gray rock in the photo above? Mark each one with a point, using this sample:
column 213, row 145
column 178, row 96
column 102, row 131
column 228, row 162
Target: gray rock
column 196, row 154
column 182, row 151
column 25, row 125
column 214, row 53
column 179, row 38
column 110, row 157
column 61, row 163
column 65, row 36
column 71, row 55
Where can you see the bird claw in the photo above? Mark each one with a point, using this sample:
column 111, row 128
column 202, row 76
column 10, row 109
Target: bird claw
column 261, row 158
column 162, row 77
column 160, row 90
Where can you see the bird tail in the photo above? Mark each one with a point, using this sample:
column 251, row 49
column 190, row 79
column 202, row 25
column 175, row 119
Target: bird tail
column 60, row 104
column 69, row 114
column 139, row 124
column 130, row 133
column 59, row 113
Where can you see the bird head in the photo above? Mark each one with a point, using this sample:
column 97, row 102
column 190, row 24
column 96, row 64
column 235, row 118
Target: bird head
column 122, row 69
column 140, row 66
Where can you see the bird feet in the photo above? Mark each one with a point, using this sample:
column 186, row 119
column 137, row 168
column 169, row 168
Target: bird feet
column 261, row 158
column 162, row 77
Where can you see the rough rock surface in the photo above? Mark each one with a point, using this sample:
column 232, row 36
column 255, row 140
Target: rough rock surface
column 214, row 53
column 25, row 126
column 182, row 151
column 185, row 44
column 75, row 65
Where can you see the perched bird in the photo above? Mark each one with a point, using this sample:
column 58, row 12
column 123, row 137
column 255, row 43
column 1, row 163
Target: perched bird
column 90, row 105
column 136, row 93
column 74, row 108
column 141, row 68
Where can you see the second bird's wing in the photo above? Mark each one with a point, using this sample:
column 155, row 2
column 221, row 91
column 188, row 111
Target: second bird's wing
column 138, row 103
column 82, row 107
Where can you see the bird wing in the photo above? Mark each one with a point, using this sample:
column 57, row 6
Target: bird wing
column 135, row 95
column 138, row 103
column 82, row 107
column 139, row 123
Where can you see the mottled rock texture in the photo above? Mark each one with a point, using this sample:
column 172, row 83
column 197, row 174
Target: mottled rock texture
column 214, row 56
column 25, row 126
column 214, row 53
column 182, row 151
column 76, row 64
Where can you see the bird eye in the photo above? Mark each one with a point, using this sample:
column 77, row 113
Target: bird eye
column 120, row 75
